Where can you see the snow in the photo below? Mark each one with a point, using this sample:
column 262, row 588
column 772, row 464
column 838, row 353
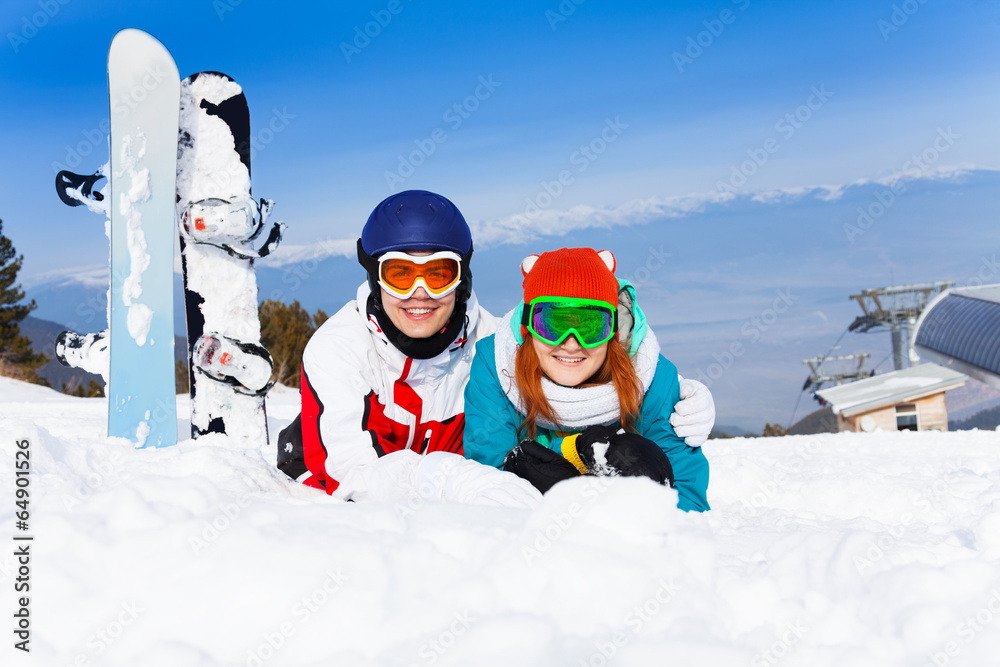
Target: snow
column 875, row 549
column 140, row 316
column 92, row 355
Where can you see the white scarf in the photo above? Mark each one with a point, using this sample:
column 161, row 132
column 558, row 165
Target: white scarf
column 576, row 407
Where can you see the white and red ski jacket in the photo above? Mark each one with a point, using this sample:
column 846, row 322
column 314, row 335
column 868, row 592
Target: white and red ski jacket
column 362, row 398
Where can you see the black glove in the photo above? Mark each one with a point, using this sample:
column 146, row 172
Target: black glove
column 291, row 459
column 539, row 465
column 624, row 454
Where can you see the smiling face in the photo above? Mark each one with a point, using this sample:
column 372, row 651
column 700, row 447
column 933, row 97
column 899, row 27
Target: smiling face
column 569, row 364
column 419, row 316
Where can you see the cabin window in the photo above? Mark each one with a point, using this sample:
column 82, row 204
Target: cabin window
column 906, row 417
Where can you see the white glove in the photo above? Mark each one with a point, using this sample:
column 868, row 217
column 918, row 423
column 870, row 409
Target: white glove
column 439, row 476
column 451, row 477
column 694, row 414
column 389, row 478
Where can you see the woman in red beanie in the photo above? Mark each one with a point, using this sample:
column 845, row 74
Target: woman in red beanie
column 573, row 383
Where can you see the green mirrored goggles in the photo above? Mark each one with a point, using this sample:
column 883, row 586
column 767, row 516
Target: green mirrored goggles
column 552, row 319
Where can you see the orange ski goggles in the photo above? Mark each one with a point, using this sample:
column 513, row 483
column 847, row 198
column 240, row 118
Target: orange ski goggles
column 401, row 274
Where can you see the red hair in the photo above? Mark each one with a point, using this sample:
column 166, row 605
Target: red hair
column 616, row 369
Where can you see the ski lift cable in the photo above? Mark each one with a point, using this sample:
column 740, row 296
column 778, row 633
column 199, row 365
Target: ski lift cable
column 821, row 359
column 791, row 422
column 886, row 358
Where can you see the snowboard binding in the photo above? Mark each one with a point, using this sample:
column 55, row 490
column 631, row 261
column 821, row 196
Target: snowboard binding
column 230, row 226
column 90, row 352
column 78, row 189
column 245, row 366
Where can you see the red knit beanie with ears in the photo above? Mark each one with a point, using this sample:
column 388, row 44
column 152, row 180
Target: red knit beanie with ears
column 577, row 273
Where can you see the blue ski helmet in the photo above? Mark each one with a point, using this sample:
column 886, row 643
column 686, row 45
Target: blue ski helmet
column 416, row 220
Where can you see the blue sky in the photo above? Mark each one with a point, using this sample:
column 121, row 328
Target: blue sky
column 823, row 94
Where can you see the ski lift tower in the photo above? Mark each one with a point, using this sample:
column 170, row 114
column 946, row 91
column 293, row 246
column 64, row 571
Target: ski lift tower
column 897, row 309
column 848, row 373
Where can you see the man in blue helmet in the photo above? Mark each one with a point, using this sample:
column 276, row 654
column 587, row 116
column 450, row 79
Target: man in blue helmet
column 383, row 380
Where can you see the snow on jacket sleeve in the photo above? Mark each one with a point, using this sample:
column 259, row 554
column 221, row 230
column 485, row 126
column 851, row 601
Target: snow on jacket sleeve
column 689, row 463
column 490, row 419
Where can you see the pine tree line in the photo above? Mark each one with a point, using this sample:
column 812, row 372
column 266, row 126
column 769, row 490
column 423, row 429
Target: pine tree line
column 284, row 331
column 17, row 359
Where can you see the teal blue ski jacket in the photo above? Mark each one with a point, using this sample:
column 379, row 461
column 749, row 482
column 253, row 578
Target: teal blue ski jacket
column 491, row 421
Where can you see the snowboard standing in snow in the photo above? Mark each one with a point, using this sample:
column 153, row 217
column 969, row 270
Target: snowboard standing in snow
column 219, row 222
column 144, row 90
column 136, row 354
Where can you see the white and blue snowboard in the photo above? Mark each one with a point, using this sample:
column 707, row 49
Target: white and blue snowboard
column 144, row 89
column 137, row 356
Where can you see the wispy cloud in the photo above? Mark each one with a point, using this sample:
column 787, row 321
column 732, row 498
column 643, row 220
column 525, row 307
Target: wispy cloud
column 95, row 275
column 523, row 228
column 321, row 249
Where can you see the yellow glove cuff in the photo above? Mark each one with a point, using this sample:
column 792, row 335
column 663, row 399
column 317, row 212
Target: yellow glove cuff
column 570, row 454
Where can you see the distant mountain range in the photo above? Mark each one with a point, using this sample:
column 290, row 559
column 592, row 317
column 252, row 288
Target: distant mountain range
column 983, row 420
column 738, row 287
column 81, row 302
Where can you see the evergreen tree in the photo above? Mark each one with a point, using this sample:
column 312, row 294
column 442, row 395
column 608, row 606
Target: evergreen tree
column 17, row 359
column 774, row 430
column 284, row 331
column 75, row 388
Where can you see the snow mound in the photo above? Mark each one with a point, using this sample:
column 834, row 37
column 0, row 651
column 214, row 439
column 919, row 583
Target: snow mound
column 861, row 549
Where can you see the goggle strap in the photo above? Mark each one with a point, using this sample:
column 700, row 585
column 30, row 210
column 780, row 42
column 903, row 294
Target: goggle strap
column 369, row 263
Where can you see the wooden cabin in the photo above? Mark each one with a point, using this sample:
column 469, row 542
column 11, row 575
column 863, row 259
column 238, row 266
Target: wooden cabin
column 912, row 399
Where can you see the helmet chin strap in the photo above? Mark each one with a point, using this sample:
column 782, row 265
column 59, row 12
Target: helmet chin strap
column 416, row 348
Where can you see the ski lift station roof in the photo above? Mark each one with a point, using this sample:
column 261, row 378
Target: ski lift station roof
column 887, row 389
column 960, row 329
